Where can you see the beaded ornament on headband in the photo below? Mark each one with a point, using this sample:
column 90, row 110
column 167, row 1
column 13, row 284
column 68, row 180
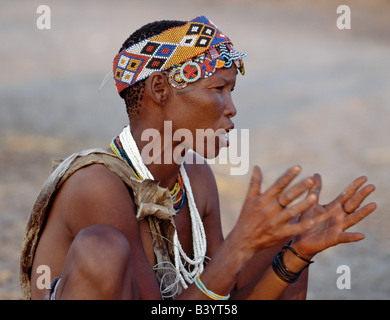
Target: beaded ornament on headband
column 181, row 48
column 203, row 67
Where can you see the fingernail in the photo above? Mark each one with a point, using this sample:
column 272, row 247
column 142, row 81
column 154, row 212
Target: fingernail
column 309, row 182
column 296, row 169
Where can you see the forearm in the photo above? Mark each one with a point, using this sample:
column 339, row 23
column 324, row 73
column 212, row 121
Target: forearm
column 268, row 286
column 220, row 274
column 298, row 290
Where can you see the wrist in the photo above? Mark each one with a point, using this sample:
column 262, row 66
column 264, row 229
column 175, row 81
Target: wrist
column 288, row 264
column 299, row 252
column 295, row 261
column 238, row 248
column 301, row 249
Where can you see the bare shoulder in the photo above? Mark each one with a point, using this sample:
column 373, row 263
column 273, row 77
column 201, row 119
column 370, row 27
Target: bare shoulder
column 95, row 195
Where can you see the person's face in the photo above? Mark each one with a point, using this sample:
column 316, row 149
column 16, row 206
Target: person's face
column 206, row 106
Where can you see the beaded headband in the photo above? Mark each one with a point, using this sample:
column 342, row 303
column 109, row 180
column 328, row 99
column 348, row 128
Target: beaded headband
column 175, row 48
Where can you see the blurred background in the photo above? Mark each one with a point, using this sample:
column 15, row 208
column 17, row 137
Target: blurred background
column 312, row 95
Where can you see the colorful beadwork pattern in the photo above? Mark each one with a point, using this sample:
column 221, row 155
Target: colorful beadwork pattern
column 176, row 47
column 178, row 193
column 203, row 67
column 190, row 71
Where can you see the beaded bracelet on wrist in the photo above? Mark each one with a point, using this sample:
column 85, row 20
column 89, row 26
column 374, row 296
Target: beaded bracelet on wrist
column 212, row 295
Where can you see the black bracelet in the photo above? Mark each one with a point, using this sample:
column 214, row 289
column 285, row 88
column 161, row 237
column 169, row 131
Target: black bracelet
column 297, row 254
column 282, row 271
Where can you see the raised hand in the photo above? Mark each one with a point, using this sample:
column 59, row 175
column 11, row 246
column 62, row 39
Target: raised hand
column 265, row 219
column 332, row 220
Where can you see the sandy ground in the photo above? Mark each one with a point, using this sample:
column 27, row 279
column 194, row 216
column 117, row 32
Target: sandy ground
column 313, row 95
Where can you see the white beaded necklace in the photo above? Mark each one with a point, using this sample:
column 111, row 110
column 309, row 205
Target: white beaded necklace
column 195, row 266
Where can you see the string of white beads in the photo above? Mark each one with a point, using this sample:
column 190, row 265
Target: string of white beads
column 195, row 265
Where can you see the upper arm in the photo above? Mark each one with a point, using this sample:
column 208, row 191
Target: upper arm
column 95, row 195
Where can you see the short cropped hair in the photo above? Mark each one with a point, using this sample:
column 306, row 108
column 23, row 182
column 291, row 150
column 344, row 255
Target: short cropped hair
column 133, row 95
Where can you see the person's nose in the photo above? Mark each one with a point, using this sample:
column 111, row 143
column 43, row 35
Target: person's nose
column 230, row 109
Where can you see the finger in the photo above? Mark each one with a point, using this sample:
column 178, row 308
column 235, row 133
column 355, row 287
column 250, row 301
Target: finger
column 356, row 200
column 346, row 237
column 289, row 195
column 282, row 182
column 300, row 227
column 317, row 186
column 254, row 189
column 358, row 215
column 300, row 207
column 350, row 190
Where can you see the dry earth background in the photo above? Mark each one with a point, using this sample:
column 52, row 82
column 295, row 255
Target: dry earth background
column 313, row 95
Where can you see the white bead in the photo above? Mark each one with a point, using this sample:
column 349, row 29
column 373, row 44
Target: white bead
column 198, row 234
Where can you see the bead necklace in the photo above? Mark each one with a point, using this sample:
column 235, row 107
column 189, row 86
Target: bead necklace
column 178, row 194
column 196, row 265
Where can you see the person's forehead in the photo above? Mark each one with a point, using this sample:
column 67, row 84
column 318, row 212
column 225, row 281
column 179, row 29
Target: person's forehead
column 226, row 74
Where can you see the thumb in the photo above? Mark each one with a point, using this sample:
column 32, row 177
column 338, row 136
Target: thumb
column 255, row 183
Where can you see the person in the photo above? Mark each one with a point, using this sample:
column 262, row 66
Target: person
column 126, row 223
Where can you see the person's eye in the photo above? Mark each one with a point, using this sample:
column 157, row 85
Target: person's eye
column 220, row 88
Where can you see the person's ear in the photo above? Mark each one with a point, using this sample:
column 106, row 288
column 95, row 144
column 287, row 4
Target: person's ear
column 158, row 87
